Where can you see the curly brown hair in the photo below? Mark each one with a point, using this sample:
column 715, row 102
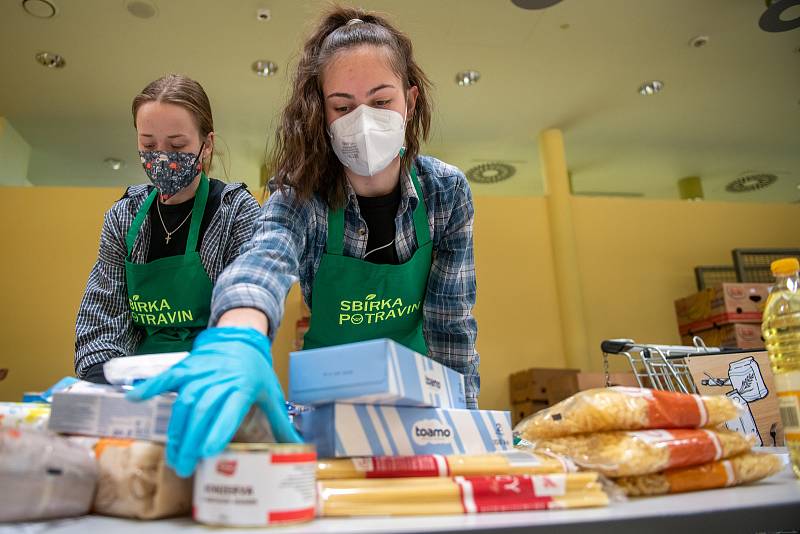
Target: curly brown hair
column 302, row 155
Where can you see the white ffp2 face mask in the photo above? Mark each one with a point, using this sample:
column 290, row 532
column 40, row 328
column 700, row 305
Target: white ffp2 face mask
column 367, row 139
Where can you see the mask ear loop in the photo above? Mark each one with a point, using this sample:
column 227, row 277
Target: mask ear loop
column 198, row 163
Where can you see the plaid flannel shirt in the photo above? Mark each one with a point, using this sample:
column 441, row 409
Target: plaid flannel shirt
column 104, row 328
column 290, row 238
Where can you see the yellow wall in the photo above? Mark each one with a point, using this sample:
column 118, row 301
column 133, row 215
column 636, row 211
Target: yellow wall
column 635, row 256
column 638, row 256
column 49, row 241
column 518, row 325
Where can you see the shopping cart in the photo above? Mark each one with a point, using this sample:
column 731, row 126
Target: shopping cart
column 666, row 367
column 658, row 366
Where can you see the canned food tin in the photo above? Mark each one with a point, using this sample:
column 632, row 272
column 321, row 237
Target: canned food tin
column 256, row 484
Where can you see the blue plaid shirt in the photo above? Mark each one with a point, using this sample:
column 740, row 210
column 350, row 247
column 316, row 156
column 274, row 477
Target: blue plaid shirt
column 289, row 240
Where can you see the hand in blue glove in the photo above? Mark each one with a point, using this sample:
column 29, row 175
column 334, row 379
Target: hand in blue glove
column 228, row 370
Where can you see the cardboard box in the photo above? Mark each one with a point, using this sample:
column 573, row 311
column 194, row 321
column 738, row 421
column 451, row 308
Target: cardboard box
column 89, row 409
column 301, row 327
column 373, row 372
column 723, row 304
column 565, row 386
column 342, row 430
column 531, row 384
column 745, row 377
column 736, row 335
column 521, row 410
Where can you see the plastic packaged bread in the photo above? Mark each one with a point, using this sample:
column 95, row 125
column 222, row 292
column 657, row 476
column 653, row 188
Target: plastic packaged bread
column 642, row 452
column 44, row 476
column 748, row 467
column 434, row 465
column 136, row 482
column 459, row 495
column 624, row 408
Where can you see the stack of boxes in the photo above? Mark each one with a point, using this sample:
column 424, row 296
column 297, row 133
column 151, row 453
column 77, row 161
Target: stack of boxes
column 727, row 315
column 379, row 398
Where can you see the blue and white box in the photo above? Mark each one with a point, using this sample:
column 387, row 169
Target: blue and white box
column 373, row 372
column 342, row 430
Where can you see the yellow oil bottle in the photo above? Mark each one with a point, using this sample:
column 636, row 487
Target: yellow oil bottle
column 781, row 330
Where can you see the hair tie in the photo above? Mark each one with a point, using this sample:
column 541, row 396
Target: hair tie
column 354, row 21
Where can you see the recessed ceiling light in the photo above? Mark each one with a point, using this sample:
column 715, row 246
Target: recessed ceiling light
column 41, row 9
column 264, row 68
column 699, row 41
column 51, row 60
column 263, row 14
column 534, row 4
column 141, row 9
column 468, row 77
column 650, row 88
column 114, row 164
column 775, row 18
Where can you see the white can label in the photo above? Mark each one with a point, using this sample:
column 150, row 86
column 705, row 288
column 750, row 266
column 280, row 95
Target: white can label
column 250, row 488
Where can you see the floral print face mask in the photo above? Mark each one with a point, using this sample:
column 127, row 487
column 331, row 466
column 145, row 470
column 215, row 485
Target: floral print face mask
column 170, row 171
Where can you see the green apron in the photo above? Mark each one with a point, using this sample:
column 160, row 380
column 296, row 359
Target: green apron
column 169, row 298
column 355, row 300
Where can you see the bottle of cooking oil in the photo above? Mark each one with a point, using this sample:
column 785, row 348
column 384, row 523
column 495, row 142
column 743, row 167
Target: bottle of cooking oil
column 781, row 329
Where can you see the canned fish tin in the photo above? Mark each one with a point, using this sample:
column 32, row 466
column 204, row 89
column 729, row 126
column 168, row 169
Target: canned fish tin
column 256, row 485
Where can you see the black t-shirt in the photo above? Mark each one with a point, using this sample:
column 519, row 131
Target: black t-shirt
column 174, row 215
column 379, row 214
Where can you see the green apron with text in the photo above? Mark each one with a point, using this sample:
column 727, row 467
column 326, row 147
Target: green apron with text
column 355, row 300
column 169, row 298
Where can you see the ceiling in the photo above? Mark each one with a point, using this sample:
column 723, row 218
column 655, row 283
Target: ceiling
column 727, row 109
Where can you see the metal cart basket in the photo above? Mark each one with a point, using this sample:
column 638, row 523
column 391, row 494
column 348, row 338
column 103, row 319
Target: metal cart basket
column 659, row 366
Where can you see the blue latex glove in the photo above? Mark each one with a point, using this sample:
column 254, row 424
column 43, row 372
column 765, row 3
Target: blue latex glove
column 228, row 370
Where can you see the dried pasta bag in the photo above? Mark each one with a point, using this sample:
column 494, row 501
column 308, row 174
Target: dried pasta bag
column 44, row 476
column 748, row 467
column 620, row 453
column 625, row 408
column 435, row 465
column 136, row 482
column 459, row 495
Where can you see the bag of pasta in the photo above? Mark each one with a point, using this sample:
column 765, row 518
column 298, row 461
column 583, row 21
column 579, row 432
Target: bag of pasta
column 623, row 453
column 741, row 469
column 625, row 408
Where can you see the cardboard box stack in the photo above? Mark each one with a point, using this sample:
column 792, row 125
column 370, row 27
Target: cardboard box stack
column 727, row 315
column 529, row 390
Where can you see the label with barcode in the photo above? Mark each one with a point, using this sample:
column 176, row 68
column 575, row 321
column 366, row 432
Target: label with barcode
column 788, row 386
column 789, row 406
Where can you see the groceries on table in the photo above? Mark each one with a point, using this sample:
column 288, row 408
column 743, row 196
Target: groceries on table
column 387, row 435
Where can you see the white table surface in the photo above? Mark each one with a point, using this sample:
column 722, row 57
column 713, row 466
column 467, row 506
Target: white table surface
column 770, row 505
